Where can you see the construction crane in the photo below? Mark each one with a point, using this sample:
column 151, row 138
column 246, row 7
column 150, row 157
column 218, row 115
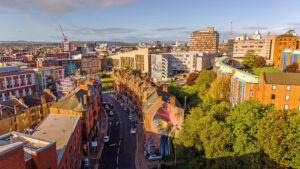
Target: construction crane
column 66, row 43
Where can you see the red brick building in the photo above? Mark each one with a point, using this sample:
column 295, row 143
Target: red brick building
column 15, row 81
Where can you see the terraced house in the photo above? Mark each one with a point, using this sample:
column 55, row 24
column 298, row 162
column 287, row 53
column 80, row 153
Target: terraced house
column 162, row 114
column 278, row 88
column 25, row 112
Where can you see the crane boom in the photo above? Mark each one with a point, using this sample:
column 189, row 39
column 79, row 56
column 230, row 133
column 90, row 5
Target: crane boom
column 63, row 34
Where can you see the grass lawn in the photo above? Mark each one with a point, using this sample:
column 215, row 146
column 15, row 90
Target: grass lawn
column 256, row 71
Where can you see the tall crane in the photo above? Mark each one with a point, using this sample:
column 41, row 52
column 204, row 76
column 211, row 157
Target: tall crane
column 66, row 43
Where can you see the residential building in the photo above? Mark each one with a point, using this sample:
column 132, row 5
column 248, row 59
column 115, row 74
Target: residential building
column 154, row 105
column 48, row 77
column 58, row 55
column 25, row 113
column 288, row 40
column 65, row 131
column 278, row 88
column 15, row 81
column 46, row 62
column 269, row 48
column 205, row 40
column 22, row 65
column 169, row 64
column 289, row 56
column 90, row 64
column 21, row 151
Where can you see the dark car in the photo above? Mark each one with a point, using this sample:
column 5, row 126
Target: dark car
column 110, row 105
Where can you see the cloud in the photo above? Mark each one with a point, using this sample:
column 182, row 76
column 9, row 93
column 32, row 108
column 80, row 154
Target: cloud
column 254, row 28
column 170, row 29
column 101, row 31
column 58, row 7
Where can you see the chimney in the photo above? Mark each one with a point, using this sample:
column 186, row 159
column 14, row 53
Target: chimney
column 85, row 99
column 43, row 99
column 158, row 84
column 159, row 98
column 165, row 88
column 172, row 100
column 21, row 100
column 84, row 87
column 145, row 96
column 17, row 109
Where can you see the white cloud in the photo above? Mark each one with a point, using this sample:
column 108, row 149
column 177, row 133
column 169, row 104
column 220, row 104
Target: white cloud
column 58, row 7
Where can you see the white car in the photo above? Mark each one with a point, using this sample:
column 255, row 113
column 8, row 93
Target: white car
column 106, row 139
column 111, row 113
column 132, row 130
column 154, row 157
column 130, row 117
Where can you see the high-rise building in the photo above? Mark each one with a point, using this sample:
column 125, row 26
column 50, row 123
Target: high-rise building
column 288, row 40
column 269, row 48
column 205, row 40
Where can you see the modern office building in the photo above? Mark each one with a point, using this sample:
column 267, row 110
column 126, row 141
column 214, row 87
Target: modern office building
column 169, row 64
column 205, row 40
column 289, row 56
column 70, row 65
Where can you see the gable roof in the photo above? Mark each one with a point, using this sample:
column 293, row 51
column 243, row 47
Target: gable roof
column 282, row 78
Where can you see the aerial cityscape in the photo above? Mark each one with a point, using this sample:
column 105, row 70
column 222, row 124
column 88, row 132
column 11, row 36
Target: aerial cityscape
column 149, row 84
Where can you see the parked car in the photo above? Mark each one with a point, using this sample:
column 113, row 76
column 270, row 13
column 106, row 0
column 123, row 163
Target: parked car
column 107, row 108
column 110, row 105
column 86, row 162
column 130, row 117
column 154, row 157
column 104, row 103
column 132, row 130
column 111, row 113
column 106, row 139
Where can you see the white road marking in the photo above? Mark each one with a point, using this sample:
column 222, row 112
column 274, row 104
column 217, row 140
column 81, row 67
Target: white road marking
column 118, row 150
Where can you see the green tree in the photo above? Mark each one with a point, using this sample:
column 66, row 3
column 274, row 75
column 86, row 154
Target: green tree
column 279, row 134
column 244, row 125
column 259, row 62
column 204, row 81
column 248, row 59
column 220, row 89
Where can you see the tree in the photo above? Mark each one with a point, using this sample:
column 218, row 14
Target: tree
column 204, row 81
column 244, row 125
column 291, row 68
column 279, row 134
column 137, row 71
column 248, row 59
column 191, row 78
column 259, row 62
column 220, row 89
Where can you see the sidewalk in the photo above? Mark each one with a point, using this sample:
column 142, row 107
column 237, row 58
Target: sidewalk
column 140, row 160
column 96, row 154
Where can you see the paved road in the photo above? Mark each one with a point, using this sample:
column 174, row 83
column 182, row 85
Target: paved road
column 120, row 151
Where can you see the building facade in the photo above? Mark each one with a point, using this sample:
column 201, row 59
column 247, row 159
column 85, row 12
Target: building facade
column 170, row 64
column 15, row 81
column 289, row 56
column 90, row 64
column 205, row 40
column 70, row 65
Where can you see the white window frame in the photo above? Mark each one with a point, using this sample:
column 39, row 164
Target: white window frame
column 288, row 88
column 286, row 107
column 287, row 97
column 273, row 87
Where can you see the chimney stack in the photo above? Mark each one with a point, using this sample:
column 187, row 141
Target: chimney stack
column 85, row 99
column 151, row 80
column 172, row 100
column 165, row 88
column 90, row 94
column 43, row 99
column 158, row 84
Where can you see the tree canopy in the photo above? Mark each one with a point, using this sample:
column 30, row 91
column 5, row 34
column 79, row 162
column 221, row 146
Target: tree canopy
column 259, row 62
column 248, row 59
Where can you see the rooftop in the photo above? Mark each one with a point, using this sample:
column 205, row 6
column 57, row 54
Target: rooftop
column 57, row 128
column 282, row 78
column 5, row 70
column 31, row 144
column 8, row 106
column 35, row 99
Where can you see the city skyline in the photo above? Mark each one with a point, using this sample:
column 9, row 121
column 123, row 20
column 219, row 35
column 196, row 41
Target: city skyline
column 140, row 20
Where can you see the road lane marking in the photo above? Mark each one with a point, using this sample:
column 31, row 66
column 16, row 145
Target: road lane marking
column 118, row 150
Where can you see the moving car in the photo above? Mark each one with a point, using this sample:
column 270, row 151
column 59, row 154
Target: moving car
column 130, row 117
column 106, row 139
column 132, row 130
column 154, row 157
column 110, row 105
column 111, row 113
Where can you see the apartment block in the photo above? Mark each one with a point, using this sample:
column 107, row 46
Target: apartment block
column 288, row 40
column 278, row 88
column 289, row 56
column 15, row 81
column 205, row 40
column 46, row 62
column 169, row 64
column 90, row 63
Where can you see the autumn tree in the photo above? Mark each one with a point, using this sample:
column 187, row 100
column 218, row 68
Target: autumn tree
column 259, row 62
column 248, row 59
column 220, row 89
column 191, row 78
column 291, row 68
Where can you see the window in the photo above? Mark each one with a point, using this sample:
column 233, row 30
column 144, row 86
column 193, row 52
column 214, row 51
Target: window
column 299, row 108
column 286, row 107
column 287, row 97
column 288, row 88
column 274, row 87
column 273, row 96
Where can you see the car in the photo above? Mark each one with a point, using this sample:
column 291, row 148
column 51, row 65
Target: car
column 106, row 139
column 110, row 105
column 107, row 108
column 130, row 117
column 154, row 157
column 132, row 130
column 111, row 113
column 104, row 103
column 86, row 162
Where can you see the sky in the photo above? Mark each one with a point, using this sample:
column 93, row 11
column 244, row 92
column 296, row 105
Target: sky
column 142, row 20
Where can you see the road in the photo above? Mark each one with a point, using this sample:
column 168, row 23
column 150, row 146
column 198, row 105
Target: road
column 119, row 153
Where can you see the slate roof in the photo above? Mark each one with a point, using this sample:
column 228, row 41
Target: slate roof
column 8, row 107
column 35, row 99
column 282, row 78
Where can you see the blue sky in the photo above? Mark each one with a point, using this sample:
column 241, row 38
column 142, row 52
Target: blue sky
column 142, row 20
